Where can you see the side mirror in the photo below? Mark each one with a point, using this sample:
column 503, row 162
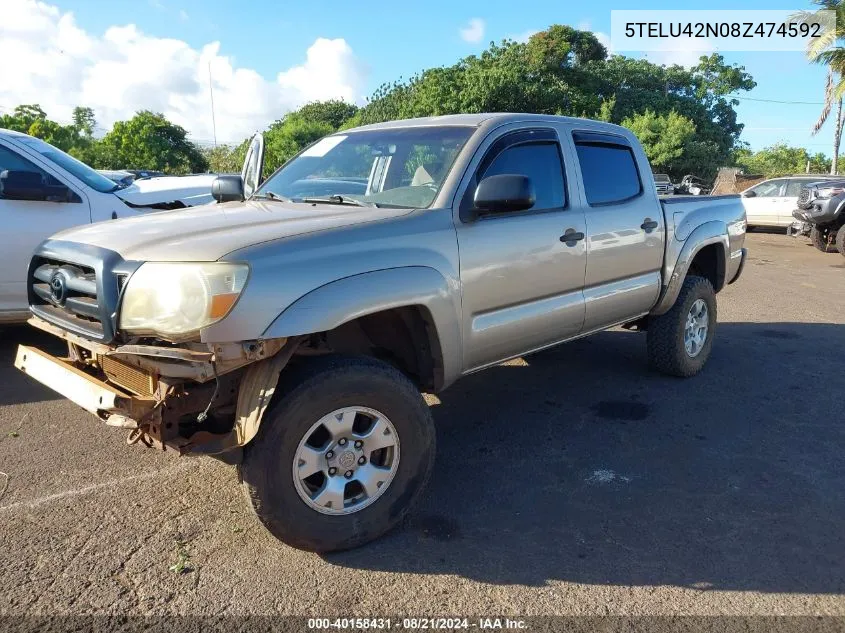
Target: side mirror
column 227, row 189
column 749, row 194
column 29, row 185
column 503, row 193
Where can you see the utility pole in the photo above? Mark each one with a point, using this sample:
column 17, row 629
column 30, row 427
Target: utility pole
column 211, row 92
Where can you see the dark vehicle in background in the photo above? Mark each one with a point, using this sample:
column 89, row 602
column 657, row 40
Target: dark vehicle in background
column 145, row 173
column 663, row 184
column 692, row 185
column 118, row 176
column 820, row 205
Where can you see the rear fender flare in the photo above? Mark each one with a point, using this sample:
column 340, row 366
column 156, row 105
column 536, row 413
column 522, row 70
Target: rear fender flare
column 714, row 232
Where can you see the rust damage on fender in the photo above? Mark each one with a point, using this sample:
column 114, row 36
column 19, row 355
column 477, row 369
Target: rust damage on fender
column 194, row 398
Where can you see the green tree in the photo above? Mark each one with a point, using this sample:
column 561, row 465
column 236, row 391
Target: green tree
column 149, row 141
column 565, row 71
column 225, row 159
column 780, row 160
column 663, row 137
column 287, row 137
column 84, row 120
column 333, row 113
column 31, row 119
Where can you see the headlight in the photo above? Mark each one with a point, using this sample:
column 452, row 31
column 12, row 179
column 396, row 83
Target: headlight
column 175, row 299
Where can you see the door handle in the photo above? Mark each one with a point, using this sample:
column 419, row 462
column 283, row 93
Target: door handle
column 571, row 236
column 648, row 225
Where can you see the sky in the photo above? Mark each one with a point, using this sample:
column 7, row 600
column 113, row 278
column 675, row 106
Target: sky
column 265, row 58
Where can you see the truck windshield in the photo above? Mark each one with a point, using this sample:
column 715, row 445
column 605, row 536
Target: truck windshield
column 403, row 167
column 77, row 168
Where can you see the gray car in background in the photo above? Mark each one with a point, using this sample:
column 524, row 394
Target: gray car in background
column 821, row 205
column 663, row 184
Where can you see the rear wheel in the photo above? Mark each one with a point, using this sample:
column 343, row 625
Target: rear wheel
column 341, row 455
column 679, row 341
column 820, row 239
column 840, row 240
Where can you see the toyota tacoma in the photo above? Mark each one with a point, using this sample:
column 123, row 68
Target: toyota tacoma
column 291, row 329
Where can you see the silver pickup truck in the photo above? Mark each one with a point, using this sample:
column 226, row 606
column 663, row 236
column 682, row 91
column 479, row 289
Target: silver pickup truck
column 291, row 329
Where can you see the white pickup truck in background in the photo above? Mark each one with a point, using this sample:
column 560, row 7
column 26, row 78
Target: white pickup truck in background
column 43, row 190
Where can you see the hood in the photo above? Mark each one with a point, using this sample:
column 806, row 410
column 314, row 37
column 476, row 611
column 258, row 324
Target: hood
column 189, row 190
column 209, row 232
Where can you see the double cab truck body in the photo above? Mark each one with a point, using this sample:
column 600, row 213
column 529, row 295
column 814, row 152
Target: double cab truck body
column 291, row 329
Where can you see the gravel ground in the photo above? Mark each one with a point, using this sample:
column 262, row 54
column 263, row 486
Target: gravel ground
column 571, row 482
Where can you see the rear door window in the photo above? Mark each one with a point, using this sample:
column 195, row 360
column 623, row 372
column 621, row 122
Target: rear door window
column 609, row 171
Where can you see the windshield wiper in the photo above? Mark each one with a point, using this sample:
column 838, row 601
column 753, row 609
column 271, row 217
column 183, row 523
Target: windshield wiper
column 336, row 200
column 269, row 195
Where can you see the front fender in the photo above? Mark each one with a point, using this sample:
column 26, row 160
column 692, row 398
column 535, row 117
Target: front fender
column 713, row 232
column 338, row 302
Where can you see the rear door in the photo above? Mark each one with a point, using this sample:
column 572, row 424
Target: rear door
column 625, row 229
column 521, row 282
column 27, row 222
column 790, row 198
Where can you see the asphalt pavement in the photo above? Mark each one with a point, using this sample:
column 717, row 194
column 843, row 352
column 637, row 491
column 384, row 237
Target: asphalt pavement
column 574, row 481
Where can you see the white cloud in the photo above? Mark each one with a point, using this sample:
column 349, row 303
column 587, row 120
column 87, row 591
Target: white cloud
column 682, row 56
column 473, row 32
column 524, row 36
column 59, row 65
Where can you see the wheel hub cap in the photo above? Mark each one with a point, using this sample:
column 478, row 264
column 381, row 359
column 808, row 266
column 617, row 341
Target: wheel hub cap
column 346, row 460
column 696, row 328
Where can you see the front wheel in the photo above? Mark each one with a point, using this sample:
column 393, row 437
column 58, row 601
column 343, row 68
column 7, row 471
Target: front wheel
column 679, row 341
column 820, row 240
column 341, row 455
column 840, row 240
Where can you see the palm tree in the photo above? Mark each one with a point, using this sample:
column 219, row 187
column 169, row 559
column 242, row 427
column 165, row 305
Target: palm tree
column 823, row 50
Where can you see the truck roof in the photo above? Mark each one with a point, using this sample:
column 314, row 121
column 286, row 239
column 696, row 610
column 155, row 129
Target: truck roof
column 6, row 132
column 474, row 120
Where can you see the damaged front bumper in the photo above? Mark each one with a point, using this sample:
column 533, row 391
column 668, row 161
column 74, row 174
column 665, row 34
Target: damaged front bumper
column 93, row 395
column 181, row 398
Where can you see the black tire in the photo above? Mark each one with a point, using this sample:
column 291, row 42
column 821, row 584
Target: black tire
column 307, row 393
column 666, row 350
column 840, row 240
column 819, row 239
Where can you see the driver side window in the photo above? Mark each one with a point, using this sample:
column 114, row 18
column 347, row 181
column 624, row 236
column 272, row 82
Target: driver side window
column 541, row 163
column 20, row 179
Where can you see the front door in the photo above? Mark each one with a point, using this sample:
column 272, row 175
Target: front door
column 521, row 284
column 625, row 230
column 28, row 220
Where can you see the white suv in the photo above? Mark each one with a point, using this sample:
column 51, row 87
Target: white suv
column 43, row 191
column 771, row 202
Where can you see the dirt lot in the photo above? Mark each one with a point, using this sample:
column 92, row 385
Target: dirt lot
column 572, row 482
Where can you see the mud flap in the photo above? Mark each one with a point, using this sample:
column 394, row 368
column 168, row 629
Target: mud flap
column 256, row 390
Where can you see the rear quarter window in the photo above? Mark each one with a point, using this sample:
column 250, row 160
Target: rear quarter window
column 609, row 171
